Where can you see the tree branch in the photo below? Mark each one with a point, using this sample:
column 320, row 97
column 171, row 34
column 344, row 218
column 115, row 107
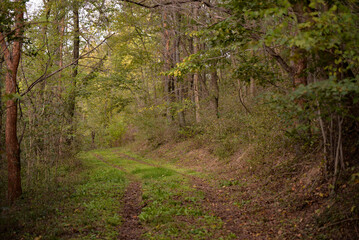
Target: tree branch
column 279, row 59
column 169, row 3
column 44, row 76
column 275, row 55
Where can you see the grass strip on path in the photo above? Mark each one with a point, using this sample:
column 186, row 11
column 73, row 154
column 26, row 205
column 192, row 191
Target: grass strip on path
column 132, row 200
column 172, row 206
column 214, row 199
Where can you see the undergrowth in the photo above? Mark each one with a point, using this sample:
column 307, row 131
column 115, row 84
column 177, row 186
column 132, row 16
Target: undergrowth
column 84, row 204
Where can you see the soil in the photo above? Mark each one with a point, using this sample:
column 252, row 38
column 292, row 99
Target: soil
column 131, row 228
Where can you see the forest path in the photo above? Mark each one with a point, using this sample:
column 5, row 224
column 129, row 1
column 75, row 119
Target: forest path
column 216, row 200
column 131, row 227
column 178, row 204
column 116, row 194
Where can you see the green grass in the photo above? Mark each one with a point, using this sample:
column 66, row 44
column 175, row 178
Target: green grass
column 85, row 206
column 154, row 172
column 172, row 206
column 87, row 203
column 167, row 163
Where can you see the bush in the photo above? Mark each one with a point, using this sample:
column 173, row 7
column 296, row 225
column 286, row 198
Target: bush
column 115, row 131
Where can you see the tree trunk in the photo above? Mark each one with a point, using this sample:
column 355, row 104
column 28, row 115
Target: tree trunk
column 61, row 30
column 298, row 54
column 11, row 141
column 2, row 144
column 60, row 85
column 167, row 80
column 195, row 75
column 299, row 67
column 12, row 57
column 252, row 87
column 76, row 54
column 215, row 91
column 178, row 84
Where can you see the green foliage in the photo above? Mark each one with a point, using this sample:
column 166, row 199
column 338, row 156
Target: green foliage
column 190, row 132
column 331, row 96
column 255, row 68
column 12, row 96
column 227, row 146
column 115, row 130
column 323, row 99
column 7, row 17
column 148, row 119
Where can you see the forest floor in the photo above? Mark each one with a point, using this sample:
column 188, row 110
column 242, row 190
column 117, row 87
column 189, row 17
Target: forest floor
column 117, row 194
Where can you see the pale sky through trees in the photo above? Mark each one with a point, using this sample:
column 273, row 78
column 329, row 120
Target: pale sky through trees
column 33, row 5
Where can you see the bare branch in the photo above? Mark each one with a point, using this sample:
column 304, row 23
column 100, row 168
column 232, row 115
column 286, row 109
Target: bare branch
column 44, row 76
column 171, row 3
column 275, row 55
column 279, row 59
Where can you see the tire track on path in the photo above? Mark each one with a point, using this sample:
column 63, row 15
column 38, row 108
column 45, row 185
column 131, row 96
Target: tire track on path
column 131, row 228
column 215, row 200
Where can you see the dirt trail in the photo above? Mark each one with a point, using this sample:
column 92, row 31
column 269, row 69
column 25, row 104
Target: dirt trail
column 215, row 201
column 131, row 229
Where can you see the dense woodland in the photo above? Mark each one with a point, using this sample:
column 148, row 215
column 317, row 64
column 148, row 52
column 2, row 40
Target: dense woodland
column 274, row 82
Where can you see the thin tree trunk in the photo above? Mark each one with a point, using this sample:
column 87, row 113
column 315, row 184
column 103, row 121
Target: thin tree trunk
column 252, row 87
column 179, row 98
column 215, row 91
column 338, row 153
column 166, row 40
column 241, row 100
column 178, row 85
column 76, row 54
column 203, row 83
column 300, row 66
column 61, row 49
column 324, row 135
column 299, row 55
column 61, row 64
column 195, row 75
column 60, row 86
